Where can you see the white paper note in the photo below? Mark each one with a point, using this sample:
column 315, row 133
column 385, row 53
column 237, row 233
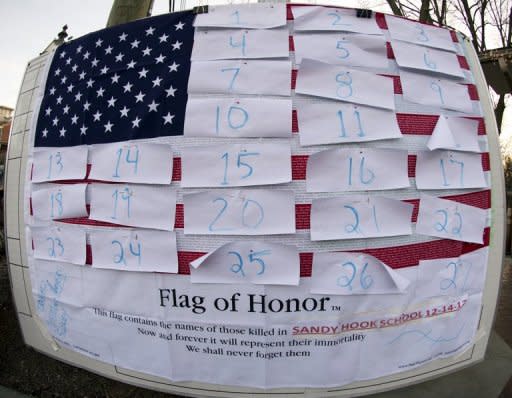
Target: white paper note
column 240, row 212
column 333, row 123
column 351, row 49
column 53, row 164
column 59, row 244
column 134, row 250
column 236, row 165
column 143, row 163
column 357, row 169
column 240, row 43
column 452, row 276
column 338, row 82
column 354, row 273
column 428, row 90
column 452, row 220
column 256, row 16
column 240, row 77
column 413, row 56
column 238, row 117
column 455, row 133
column 134, row 205
column 318, row 18
column 359, row 217
column 248, row 262
column 449, row 170
column 59, row 201
column 418, row 33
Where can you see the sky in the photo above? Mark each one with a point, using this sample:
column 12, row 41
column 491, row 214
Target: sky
column 28, row 26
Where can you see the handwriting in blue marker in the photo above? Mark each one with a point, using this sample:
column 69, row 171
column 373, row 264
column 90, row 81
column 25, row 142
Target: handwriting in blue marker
column 58, row 162
column 427, row 336
column 345, row 281
column 250, row 209
column 235, row 75
column 241, row 44
column 337, row 20
column 56, row 203
column 134, row 248
column 239, row 164
column 366, row 175
column 51, row 310
column 455, row 219
column 236, row 14
column 343, row 51
column 130, row 158
column 451, row 282
column 436, row 87
column 343, row 130
column 453, row 162
column 344, row 81
column 354, row 227
column 428, row 62
column 125, row 196
column 253, row 257
column 55, row 247
column 422, row 35
column 237, row 117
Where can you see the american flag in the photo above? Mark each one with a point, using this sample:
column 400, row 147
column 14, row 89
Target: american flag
column 117, row 84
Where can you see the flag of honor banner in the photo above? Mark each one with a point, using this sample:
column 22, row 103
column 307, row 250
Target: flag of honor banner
column 211, row 197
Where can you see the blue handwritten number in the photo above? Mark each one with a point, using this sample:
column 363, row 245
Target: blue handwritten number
column 337, row 19
column 260, row 210
column 119, row 258
column 438, row 89
column 219, row 215
column 349, row 228
column 428, row 62
column 239, row 267
column 422, row 35
column 344, row 52
column 365, row 280
column 456, row 230
column 344, row 280
column 344, row 81
column 441, row 226
column 135, row 253
column 236, row 14
column 51, row 250
column 451, row 161
column 239, row 163
column 235, row 75
column 56, row 200
column 239, row 125
column 245, row 208
column 241, row 44
column 253, row 257
column 58, row 162
column 128, row 159
column 124, row 195
column 343, row 129
column 366, row 176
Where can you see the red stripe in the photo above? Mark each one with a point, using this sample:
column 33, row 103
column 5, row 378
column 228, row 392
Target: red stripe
column 291, row 44
column 389, row 51
column 463, row 62
column 294, row 78
column 381, row 20
column 295, row 122
column 395, row 256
